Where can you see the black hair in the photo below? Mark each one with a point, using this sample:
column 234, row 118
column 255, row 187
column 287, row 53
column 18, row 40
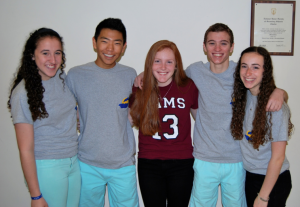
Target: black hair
column 113, row 24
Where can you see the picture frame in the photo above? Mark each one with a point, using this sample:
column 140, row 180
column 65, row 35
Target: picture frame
column 273, row 26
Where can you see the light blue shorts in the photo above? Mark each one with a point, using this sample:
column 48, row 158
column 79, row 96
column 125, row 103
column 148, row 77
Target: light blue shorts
column 59, row 181
column 208, row 176
column 121, row 185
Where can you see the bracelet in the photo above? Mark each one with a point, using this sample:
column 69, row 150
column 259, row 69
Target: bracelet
column 264, row 200
column 37, row 198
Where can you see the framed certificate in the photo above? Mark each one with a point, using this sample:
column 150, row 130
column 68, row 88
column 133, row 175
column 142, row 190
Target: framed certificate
column 273, row 26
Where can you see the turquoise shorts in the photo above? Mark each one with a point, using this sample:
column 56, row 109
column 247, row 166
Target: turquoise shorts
column 208, row 176
column 59, row 181
column 121, row 184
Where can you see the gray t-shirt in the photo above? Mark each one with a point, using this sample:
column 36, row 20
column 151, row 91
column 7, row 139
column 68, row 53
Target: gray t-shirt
column 256, row 161
column 106, row 138
column 55, row 137
column 213, row 141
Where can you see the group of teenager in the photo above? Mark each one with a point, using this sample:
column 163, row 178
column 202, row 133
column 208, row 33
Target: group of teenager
column 242, row 125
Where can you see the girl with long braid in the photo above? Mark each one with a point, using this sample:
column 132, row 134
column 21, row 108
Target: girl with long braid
column 44, row 117
column 263, row 135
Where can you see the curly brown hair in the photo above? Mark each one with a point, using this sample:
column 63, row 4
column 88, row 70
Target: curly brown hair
column 262, row 123
column 29, row 72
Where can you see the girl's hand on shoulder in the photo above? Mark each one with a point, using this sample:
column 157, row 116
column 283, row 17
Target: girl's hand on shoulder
column 259, row 203
column 39, row 203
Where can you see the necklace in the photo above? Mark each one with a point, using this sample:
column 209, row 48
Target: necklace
column 166, row 93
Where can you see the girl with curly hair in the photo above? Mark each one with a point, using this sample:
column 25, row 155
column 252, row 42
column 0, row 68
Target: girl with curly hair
column 161, row 111
column 44, row 117
column 263, row 134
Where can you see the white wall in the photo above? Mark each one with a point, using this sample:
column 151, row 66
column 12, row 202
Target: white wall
column 183, row 22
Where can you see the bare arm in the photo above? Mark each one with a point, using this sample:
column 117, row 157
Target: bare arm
column 276, row 100
column 194, row 113
column 25, row 140
column 138, row 81
column 273, row 171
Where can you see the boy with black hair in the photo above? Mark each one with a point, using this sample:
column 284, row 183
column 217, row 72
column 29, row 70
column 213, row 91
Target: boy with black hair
column 106, row 142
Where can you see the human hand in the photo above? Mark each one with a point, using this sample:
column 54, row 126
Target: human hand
column 39, row 203
column 259, row 203
column 138, row 81
column 276, row 100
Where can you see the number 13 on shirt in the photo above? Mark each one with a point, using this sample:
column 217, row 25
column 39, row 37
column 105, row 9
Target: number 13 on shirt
column 172, row 126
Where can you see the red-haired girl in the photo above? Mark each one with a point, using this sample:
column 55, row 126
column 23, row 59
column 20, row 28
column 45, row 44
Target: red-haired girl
column 161, row 111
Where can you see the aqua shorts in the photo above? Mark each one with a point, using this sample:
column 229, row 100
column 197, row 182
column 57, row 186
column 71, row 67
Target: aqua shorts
column 208, row 176
column 121, row 184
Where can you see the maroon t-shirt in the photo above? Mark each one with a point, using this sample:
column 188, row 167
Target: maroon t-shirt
column 174, row 141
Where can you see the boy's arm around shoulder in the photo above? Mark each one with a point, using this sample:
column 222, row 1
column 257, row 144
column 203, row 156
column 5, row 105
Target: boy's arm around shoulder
column 188, row 71
column 194, row 69
column 276, row 100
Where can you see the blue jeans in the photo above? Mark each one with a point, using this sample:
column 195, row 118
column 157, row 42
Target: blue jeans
column 164, row 181
column 59, row 181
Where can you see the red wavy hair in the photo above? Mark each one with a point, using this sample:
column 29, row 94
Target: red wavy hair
column 144, row 110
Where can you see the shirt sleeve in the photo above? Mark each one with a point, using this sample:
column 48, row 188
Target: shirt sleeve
column 280, row 124
column 70, row 85
column 188, row 72
column 19, row 106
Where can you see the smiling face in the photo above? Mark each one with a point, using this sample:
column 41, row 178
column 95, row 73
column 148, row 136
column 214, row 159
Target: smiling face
column 109, row 46
column 48, row 57
column 218, row 49
column 251, row 71
column 164, row 66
